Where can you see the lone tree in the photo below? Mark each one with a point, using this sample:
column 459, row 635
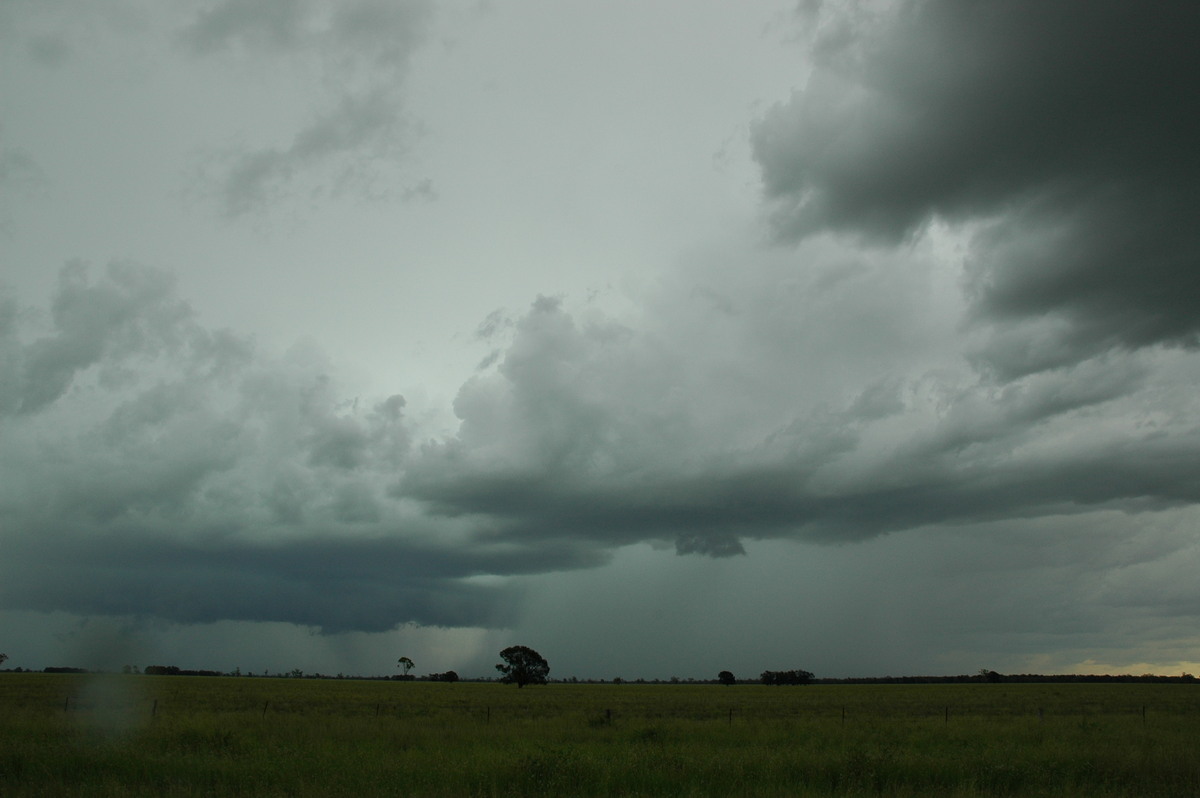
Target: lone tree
column 406, row 663
column 726, row 678
column 523, row 666
column 3, row 658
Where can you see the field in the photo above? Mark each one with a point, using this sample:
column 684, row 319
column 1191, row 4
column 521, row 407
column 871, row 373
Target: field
column 66, row 735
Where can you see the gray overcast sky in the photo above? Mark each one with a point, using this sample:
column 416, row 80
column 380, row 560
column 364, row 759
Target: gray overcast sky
column 662, row 337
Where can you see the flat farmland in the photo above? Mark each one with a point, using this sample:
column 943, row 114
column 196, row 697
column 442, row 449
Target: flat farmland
column 190, row 736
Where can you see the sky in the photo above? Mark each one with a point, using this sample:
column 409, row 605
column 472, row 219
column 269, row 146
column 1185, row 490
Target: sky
column 664, row 338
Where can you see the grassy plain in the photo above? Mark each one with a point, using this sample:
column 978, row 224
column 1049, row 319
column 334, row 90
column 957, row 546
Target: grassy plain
column 65, row 735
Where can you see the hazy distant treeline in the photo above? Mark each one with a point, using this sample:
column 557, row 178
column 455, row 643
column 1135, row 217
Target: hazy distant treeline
column 1018, row 678
column 767, row 677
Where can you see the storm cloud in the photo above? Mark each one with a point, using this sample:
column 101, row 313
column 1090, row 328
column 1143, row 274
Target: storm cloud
column 211, row 481
column 596, row 431
column 874, row 322
column 156, row 468
column 1063, row 130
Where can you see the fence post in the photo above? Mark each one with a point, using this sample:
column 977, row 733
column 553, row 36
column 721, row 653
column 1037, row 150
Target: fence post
column 265, row 705
column 731, row 717
column 154, row 709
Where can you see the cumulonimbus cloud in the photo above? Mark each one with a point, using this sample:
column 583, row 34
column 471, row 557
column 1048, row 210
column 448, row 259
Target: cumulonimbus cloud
column 156, row 467
column 153, row 466
column 841, row 387
column 1064, row 130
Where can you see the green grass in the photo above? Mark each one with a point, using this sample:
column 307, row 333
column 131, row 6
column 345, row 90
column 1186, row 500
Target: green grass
column 186, row 736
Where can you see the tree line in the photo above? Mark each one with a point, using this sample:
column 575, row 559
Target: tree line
column 786, row 677
column 523, row 666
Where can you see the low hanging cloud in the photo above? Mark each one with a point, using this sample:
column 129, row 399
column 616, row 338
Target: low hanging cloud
column 158, row 468
column 154, row 467
column 596, row 432
column 1065, row 131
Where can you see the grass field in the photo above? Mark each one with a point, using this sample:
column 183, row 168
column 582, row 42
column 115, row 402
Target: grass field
column 68, row 735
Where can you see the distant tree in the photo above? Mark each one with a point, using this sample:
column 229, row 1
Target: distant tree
column 448, row 676
column 405, row 663
column 522, row 665
column 798, row 676
column 989, row 676
column 161, row 670
column 3, row 658
column 726, row 678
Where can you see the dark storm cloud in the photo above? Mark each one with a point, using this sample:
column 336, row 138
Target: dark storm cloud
column 132, row 312
column 1067, row 129
column 1114, row 271
column 153, row 467
column 822, row 391
column 707, row 513
column 360, row 584
column 580, row 433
